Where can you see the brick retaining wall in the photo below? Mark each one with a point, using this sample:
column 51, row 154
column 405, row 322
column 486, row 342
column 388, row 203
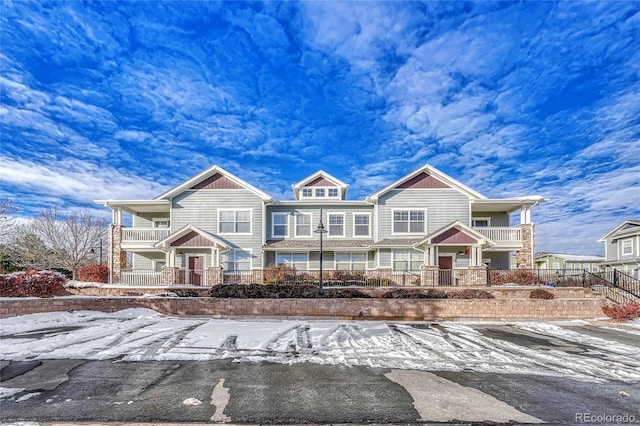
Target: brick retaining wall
column 379, row 309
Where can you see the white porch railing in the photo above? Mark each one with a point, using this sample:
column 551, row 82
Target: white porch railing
column 141, row 234
column 141, row 277
column 500, row 233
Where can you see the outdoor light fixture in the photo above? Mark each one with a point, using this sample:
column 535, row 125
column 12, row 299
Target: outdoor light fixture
column 320, row 230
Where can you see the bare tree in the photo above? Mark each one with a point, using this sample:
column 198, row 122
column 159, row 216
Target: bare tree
column 69, row 238
column 7, row 221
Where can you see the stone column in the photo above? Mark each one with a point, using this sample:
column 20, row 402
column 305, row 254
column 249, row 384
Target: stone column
column 475, row 276
column 214, row 276
column 429, row 275
column 525, row 257
column 117, row 256
column 170, row 275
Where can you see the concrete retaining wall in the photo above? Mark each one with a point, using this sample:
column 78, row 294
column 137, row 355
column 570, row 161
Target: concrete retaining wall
column 378, row 309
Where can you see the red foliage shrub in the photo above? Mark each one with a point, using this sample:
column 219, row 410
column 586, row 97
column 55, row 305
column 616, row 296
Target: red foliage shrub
column 516, row 276
column 94, row 274
column 539, row 293
column 405, row 293
column 626, row 312
column 279, row 273
column 32, row 284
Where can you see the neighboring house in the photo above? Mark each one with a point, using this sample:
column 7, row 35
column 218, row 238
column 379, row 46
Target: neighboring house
column 215, row 224
column 622, row 248
column 563, row 261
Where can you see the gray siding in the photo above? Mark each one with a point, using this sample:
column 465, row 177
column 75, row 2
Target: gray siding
column 200, row 208
column 499, row 260
column 443, row 207
column 497, row 218
column 145, row 260
column 385, row 258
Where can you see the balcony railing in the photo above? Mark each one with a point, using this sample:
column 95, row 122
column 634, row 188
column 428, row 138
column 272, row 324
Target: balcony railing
column 141, row 277
column 500, row 233
column 144, row 235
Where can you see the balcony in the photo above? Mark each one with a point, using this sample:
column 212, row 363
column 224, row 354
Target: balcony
column 507, row 237
column 142, row 237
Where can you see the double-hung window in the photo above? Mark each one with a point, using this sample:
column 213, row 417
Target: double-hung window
column 332, row 192
column 235, row 222
column 627, row 247
column 303, row 225
column 236, row 260
column 408, row 221
column 336, row 224
column 280, row 225
column 407, row 260
column 307, row 192
column 351, row 261
column 299, row 261
column 361, row 225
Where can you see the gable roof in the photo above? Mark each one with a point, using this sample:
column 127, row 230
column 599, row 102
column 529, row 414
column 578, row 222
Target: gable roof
column 207, row 178
column 433, row 178
column 572, row 257
column 456, row 233
column 628, row 227
column 321, row 178
column 185, row 231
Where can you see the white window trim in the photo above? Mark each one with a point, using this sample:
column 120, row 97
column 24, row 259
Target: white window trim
column 326, row 193
column 351, row 253
column 408, row 250
column 292, row 253
column 408, row 209
column 160, row 219
column 622, row 247
column 234, row 251
column 488, row 219
column 295, row 225
column 234, row 221
column 354, row 224
column 273, row 225
column 344, row 224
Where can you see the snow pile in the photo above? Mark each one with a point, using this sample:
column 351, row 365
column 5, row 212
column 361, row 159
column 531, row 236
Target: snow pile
column 144, row 335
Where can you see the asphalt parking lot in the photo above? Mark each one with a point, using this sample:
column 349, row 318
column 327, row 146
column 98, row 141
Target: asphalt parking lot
column 132, row 368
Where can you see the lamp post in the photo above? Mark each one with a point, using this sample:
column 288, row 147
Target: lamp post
column 320, row 230
column 93, row 251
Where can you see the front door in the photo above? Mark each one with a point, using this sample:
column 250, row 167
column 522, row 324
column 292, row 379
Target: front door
column 446, row 270
column 196, row 264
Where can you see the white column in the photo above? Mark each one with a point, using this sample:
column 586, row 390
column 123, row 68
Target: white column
column 116, row 216
column 172, row 258
column 474, row 258
column 478, row 255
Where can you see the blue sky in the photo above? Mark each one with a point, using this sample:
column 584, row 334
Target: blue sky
column 125, row 100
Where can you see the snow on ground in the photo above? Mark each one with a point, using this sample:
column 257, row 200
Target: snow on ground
column 144, row 335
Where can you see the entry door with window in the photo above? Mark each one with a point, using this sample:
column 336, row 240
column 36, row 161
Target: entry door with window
column 196, row 270
column 446, row 270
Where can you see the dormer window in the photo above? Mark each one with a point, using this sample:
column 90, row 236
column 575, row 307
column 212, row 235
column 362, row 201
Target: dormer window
column 319, row 192
column 307, row 192
column 333, row 192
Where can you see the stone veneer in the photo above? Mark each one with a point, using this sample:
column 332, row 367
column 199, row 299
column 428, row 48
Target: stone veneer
column 525, row 257
column 117, row 256
column 364, row 309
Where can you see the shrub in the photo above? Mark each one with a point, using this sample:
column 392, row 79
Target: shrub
column 274, row 274
column 187, row 293
column 517, row 276
column 540, row 293
column 404, row 293
column 626, row 312
column 282, row 291
column 32, row 284
column 471, row 294
column 94, row 274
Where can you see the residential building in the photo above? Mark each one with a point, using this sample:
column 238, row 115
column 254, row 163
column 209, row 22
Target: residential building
column 216, row 225
column 622, row 248
column 568, row 262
